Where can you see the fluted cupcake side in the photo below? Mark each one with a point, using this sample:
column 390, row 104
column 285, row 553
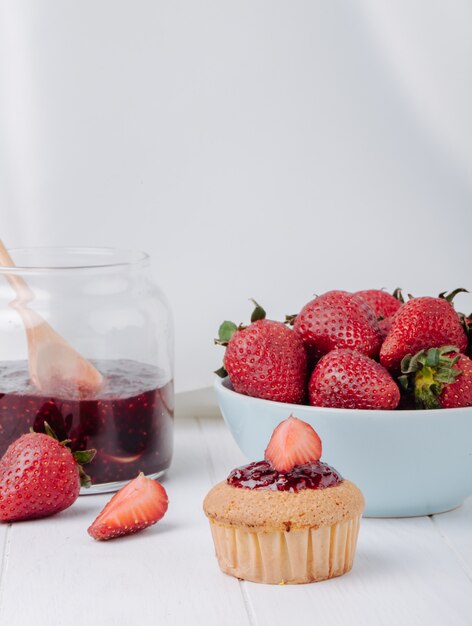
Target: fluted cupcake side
column 286, row 557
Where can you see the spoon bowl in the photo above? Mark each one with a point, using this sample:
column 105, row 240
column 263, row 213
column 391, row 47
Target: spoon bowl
column 55, row 367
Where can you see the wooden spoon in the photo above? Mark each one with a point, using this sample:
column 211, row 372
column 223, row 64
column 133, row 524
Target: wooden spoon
column 55, row 368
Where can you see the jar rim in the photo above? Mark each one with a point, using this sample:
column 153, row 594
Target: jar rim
column 73, row 259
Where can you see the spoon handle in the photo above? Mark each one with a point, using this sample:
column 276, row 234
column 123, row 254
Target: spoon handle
column 16, row 281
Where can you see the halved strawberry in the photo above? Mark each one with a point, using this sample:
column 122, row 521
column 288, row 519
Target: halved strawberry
column 293, row 442
column 139, row 504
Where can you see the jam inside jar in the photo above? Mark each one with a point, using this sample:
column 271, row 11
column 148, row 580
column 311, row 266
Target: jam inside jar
column 104, row 303
column 129, row 423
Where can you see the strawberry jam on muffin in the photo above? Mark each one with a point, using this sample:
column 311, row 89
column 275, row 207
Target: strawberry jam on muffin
column 288, row 519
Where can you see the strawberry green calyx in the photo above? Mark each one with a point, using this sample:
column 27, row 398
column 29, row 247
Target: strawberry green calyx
column 426, row 373
column 225, row 332
column 221, row 372
column 290, row 319
column 81, row 457
column 450, row 296
column 49, row 431
column 227, row 328
column 258, row 313
column 398, row 295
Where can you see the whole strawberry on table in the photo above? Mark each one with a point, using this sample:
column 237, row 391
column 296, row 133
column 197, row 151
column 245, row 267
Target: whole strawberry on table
column 363, row 350
column 41, row 476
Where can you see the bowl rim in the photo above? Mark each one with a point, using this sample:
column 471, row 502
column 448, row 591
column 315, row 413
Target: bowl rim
column 223, row 385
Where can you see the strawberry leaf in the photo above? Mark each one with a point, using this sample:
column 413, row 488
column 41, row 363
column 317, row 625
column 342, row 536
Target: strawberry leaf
column 447, row 349
column 258, row 313
column 446, row 376
column 49, row 431
column 404, row 383
column 432, row 358
column 450, row 297
column 398, row 295
column 85, row 480
column 84, row 456
column 221, row 372
column 81, row 457
column 225, row 332
column 429, row 398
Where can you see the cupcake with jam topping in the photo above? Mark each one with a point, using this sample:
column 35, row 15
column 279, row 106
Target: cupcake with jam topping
column 288, row 519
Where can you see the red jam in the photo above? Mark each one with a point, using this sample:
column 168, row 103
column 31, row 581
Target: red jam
column 130, row 423
column 261, row 475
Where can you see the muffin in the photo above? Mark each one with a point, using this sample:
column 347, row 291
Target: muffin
column 288, row 519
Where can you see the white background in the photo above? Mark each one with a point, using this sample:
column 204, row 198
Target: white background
column 255, row 148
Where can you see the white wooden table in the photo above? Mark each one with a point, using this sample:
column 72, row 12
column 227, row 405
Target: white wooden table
column 407, row 572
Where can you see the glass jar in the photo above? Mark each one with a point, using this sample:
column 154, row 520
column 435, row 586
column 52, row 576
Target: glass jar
column 105, row 305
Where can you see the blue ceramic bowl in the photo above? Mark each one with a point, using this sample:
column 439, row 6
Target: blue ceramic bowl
column 405, row 462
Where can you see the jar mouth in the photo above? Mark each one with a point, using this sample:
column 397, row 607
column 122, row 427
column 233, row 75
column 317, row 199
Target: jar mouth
column 47, row 259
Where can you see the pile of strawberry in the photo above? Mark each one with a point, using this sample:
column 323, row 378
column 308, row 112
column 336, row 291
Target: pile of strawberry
column 41, row 476
column 363, row 350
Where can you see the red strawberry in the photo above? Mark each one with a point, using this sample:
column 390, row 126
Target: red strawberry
column 385, row 326
column 38, row 477
column 349, row 380
column 338, row 319
column 139, row 504
column 293, row 442
column 381, row 302
column 459, row 392
column 467, row 324
column 265, row 360
column 383, row 305
column 439, row 378
column 419, row 324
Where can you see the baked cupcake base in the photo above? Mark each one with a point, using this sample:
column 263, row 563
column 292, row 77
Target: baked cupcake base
column 286, row 557
column 285, row 538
